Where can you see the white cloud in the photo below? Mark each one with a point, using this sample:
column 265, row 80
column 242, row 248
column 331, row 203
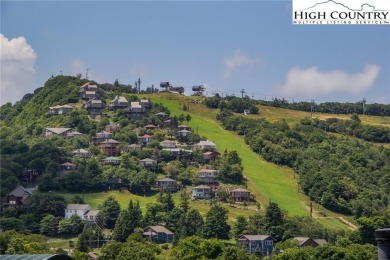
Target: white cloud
column 237, row 60
column 312, row 82
column 17, row 68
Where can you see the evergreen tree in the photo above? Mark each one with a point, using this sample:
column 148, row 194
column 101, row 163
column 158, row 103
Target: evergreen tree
column 174, row 220
column 169, row 204
column 216, row 225
column 135, row 215
column 82, row 241
column 273, row 215
column 184, row 203
column 123, row 226
column 188, row 118
column 110, row 211
column 128, row 220
column 240, row 226
column 194, row 223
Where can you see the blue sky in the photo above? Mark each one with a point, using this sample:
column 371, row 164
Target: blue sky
column 228, row 45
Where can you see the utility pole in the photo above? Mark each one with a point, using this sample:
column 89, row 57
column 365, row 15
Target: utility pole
column 86, row 74
column 139, row 84
column 242, row 93
column 311, row 209
column 312, row 108
column 364, row 105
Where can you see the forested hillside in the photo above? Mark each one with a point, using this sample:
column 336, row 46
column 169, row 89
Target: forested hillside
column 97, row 147
column 341, row 172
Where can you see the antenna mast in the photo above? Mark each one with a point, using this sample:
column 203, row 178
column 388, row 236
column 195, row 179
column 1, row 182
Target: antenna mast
column 242, row 93
column 139, row 84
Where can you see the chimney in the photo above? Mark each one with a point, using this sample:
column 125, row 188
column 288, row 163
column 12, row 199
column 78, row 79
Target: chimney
column 382, row 237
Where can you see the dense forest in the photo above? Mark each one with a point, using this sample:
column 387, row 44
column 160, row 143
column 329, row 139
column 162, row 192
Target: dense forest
column 344, row 174
column 359, row 108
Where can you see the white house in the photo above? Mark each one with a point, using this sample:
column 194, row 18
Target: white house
column 202, row 192
column 206, row 145
column 77, row 209
column 168, row 144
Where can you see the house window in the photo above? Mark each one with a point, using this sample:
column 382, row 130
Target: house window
column 268, row 242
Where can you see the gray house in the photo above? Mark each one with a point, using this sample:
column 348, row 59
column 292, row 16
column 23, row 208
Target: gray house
column 257, row 244
column 158, row 234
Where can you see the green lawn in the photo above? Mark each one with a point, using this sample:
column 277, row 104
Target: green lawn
column 267, row 181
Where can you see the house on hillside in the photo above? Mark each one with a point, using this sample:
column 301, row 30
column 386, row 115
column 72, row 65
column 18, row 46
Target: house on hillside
column 111, row 128
column 114, row 183
column 91, row 215
column 145, row 104
column 77, row 209
column 110, row 147
column 145, row 139
column 119, row 102
column 74, row 134
column 308, row 241
column 148, row 163
column 150, row 127
column 240, row 195
column 17, row 199
column 84, row 211
column 167, row 184
column 210, row 156
column 176, row 152
column 111, row 161
column 135, row 111
column 82, row 153
column 60, row 110
column 61, row 132
column 208, row 176
column 202, row 192
column 133, row 147
column 205, row 145
column 101, row 137
column 184, row 127
column 167, row 123
column 94, row 106
column 184, row 133
column 67, row 167
column 159, row 234
column 88, row 91
column 162, row 115
column 257, row 244
column 168, row 144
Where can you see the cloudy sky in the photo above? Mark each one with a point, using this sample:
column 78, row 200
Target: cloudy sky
column 228, row 46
